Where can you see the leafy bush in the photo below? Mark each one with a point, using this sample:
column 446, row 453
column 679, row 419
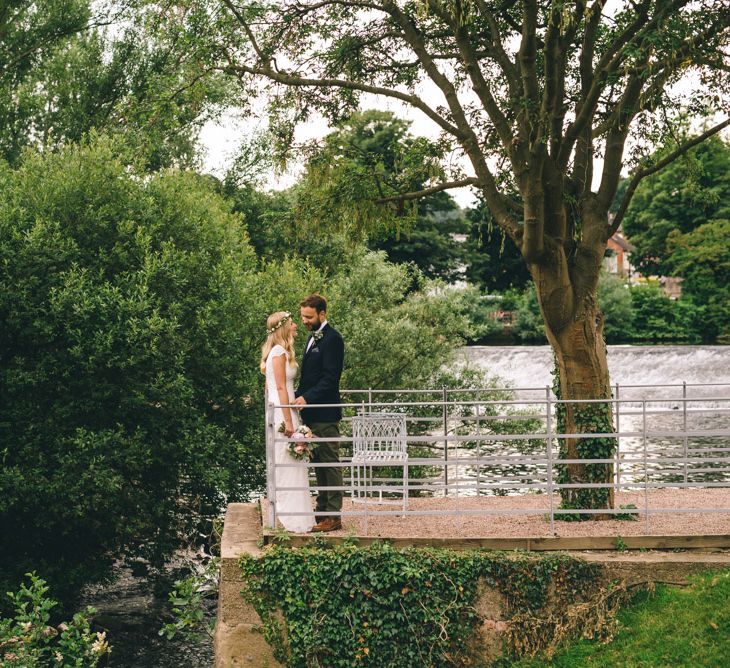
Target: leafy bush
column 614, row 299
column 394, row 338
column 702, row 257
column 128, row 358
column 529, row 324
column 27, row 640
column 658, row 318
column 478, row 309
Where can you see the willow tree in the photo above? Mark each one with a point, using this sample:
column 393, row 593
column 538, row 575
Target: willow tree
column 547, row 99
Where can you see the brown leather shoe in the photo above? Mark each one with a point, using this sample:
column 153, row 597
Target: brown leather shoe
column 327, row 524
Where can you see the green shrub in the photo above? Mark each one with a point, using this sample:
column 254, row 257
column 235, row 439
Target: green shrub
column 27, row 640
column 702, row 257
column 128, row 359
column 658, row 318
column 529, row 324
column 478, row 309
column 614, row 300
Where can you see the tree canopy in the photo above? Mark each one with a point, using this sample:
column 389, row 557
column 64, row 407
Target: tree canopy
column 68, row 67
column 682, row 197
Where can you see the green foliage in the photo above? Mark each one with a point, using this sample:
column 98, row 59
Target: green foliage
column 429, row 243
column 702, row 257
column 371, row 156
column 188, row 598
column 658, row 318
column 669, row 627
column 62, row 77
column 478, row 309
column 494, row 262
column 128, row 364
column 378, row 606
column 529, row 324
column 614, row 299
column 392, row 340
column 30, row 36
column 683, row 196
column 277, row 231
column 27, row 640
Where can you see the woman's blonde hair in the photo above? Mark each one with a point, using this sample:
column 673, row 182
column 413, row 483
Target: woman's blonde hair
column 278, row 327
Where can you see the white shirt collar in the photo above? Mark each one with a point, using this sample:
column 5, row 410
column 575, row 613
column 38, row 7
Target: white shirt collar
column 311, row 339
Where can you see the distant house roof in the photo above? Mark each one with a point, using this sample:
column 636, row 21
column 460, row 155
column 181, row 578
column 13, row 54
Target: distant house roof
column 622, row 243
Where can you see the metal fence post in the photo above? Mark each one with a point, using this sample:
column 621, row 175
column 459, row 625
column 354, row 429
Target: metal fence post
column 479, row 447
column 646, row 469
column 446, row 438
column 684, row 426
column 617, row 487
column 549, row 445
column 270, row 463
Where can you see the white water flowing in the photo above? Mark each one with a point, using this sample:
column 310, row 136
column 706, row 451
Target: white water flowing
column 530, row 366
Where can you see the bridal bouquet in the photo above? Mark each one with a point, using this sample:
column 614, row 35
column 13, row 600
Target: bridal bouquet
column 299, row 448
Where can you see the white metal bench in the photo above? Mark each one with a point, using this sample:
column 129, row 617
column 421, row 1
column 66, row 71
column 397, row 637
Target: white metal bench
column 378, row 439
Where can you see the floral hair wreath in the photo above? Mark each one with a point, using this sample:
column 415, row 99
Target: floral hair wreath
column 285, row 317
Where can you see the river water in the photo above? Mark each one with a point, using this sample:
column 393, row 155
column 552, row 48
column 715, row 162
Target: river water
column 530, row 366
column 651, row 383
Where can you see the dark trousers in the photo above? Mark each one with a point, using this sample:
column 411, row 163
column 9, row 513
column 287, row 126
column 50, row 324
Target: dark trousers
column 327, row 501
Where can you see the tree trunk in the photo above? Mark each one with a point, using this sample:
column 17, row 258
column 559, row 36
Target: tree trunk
column 574, row 326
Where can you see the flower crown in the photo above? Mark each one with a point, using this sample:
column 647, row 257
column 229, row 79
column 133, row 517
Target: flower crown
column 285, row 317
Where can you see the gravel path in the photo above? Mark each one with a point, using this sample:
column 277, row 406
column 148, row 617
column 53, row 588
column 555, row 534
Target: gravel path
column 538, row 525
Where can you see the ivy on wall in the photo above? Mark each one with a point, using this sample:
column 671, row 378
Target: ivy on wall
column 380, row 606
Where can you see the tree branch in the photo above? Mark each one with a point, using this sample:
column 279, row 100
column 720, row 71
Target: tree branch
column 527, row 59
column 479, row 84
column 648, row 171
column 609, row 63
column 418, row 194
column 468, row 138
column 509, row 69
column 288, row 79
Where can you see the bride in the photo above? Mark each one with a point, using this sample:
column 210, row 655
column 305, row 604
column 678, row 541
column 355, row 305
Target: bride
column 279, row 365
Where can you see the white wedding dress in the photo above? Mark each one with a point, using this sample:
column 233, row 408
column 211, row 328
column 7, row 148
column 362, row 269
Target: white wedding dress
column 298, row 501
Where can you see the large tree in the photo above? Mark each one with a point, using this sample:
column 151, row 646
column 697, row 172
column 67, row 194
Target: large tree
column 545, row 98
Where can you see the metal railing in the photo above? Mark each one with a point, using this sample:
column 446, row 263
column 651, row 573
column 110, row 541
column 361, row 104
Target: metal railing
column 678, row 438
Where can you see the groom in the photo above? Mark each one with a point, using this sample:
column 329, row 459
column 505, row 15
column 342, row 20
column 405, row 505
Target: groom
column 320, row 384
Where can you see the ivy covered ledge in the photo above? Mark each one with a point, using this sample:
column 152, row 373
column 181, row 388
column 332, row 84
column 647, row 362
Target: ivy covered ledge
column 348, row 605
column 344, row 602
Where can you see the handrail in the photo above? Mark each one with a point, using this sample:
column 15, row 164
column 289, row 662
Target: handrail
column 649, row 456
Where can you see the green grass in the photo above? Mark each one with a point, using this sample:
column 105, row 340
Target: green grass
column 673, row 627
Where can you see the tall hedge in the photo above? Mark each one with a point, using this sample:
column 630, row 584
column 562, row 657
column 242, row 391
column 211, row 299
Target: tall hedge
column 127, row 363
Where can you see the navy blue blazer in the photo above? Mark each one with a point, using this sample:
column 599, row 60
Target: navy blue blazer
column 319, row 382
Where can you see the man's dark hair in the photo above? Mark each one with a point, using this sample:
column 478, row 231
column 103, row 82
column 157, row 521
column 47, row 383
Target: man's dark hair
column 315, row 301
